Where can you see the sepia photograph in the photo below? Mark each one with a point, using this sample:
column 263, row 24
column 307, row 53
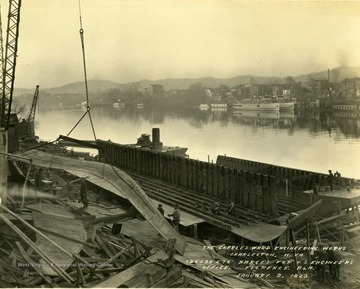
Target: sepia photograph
column 180, row 144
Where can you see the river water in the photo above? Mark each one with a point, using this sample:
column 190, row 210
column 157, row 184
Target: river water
column 308, row 141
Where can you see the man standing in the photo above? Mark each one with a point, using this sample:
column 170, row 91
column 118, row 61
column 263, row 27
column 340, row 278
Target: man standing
column 231, row 208
column 331, row 180
column 83, row 193
column 175, row 217
column 39, row 178
column 337, row 176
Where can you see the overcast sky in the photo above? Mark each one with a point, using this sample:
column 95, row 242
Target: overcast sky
column 132, row 40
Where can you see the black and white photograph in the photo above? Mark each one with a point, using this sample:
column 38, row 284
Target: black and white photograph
column 180, row 144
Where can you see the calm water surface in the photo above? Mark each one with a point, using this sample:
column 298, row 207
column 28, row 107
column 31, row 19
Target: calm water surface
column 310, row 141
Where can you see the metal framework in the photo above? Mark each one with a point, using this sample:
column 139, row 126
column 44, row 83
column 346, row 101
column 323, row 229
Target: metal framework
column 2, row 104
column 33, row 106
column 9, row 62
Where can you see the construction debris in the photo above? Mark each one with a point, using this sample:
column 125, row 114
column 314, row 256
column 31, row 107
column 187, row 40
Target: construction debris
column 50, row 239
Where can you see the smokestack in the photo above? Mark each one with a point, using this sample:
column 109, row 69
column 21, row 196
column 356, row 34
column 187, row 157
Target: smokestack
column 155, row 135
column 156, row 139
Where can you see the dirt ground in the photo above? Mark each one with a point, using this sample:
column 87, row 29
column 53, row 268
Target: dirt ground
column 349, row 277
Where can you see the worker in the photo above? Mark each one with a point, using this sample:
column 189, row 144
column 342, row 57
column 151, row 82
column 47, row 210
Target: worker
column 337, row 176
column 215, row 208
column 334, row 259
column 175, row 217
column 331, row 180
column 84, row 193
column 231, row 208
column 39, row 178
column 161, row 210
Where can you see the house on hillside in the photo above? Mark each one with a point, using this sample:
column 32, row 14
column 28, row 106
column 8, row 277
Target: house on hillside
column 157, row 90
column 317, row 87
column 350, row 88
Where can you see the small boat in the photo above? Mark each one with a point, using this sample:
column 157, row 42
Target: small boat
column 256, row 105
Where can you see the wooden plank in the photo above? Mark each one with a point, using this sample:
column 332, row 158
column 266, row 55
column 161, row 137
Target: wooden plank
column 67, row 238
column 357, row 228
column 108, row 245
column 42, row 254
column 196, row 280
column 146, row 278
column 121, row 184
column 114, row 257
column 330, row 218
column 212, row 252
column 103, row 246
column 88, row 251
column 119, row 279
column 172, row 276
column 62, row 226
column 261, row 232
column 304, row 215
column 51, row 209
column 33, row 264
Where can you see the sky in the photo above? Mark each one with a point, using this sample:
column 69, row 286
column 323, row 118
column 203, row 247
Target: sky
column 127, row 41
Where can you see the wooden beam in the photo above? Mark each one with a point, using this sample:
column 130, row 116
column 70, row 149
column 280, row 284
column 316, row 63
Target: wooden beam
column 118, row 182
column 30, row 261
column 330, row 218
column 114, row 257
column 68, row 238
column 124, row 276
column 43, row 255
column 147, row 278
column 172, row 276
column 212, row 252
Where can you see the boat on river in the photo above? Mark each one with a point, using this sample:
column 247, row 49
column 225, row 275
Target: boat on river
column 155, row 145
column 256, row 105
column 256, row 114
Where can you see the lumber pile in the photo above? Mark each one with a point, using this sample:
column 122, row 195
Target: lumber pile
column 35, row 255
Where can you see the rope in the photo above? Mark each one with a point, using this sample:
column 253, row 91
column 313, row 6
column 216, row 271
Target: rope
column 77, row 123
column 85, row 77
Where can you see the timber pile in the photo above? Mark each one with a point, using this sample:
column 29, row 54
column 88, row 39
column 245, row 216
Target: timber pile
column 57, row 250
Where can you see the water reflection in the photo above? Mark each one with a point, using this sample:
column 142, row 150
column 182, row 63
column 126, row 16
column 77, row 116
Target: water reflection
column 347, row 124
column 307, row 140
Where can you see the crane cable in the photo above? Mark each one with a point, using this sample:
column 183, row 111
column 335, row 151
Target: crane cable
column 85, row 79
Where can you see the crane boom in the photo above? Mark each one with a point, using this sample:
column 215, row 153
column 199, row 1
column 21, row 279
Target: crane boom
column 9, row 62
column 31, row 116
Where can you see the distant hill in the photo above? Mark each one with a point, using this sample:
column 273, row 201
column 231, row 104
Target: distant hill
column 209, row 82
column 336, row 75
column 97, row 85
column 94, row 85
